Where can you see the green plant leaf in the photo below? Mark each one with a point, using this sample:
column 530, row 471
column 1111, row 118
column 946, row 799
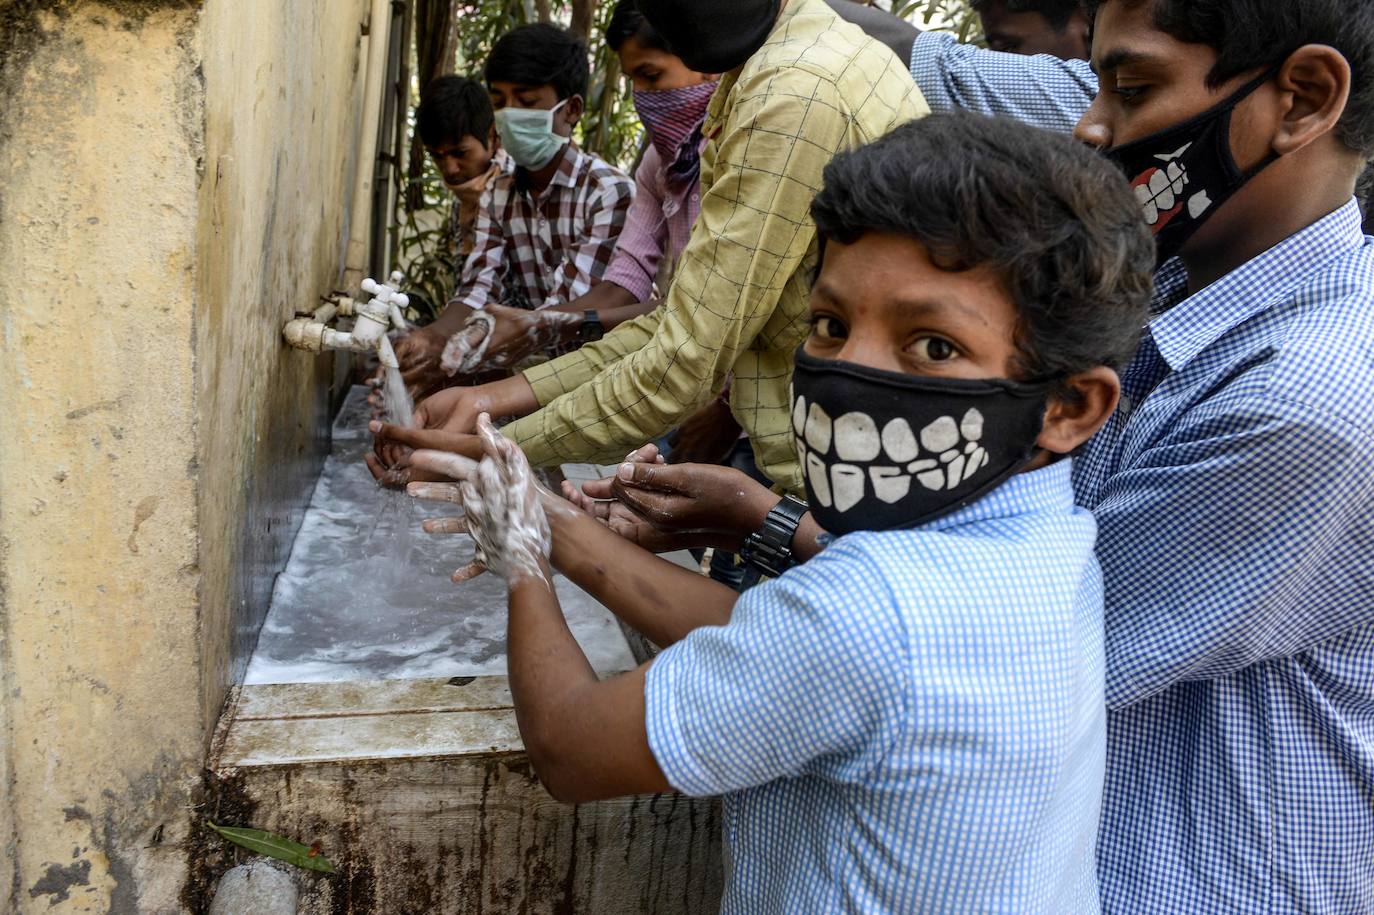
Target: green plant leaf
column 274, row 846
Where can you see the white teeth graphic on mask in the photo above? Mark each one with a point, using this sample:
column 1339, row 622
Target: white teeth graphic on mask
column 856, row 439
column 952, row 449
column 1162, row 191
column 1169, row 157
column 890, row 484
column 1147, row 204
column 971, row 426
column 818, row 429
column 956, row 471
column 847, row 486
column 1198, row 204
column 1177, row 178
column 816, row 476
column 1160, row 194
column 900, row 442
column 941, row 435
column 933, row 479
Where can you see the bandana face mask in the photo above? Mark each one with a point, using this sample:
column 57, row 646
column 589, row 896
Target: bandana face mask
column 527, row 135
column 673, row 118
column 884, row 450
column 1183, row 174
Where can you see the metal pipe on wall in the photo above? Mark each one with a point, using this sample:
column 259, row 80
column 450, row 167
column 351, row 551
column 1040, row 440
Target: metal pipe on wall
column 360, row 220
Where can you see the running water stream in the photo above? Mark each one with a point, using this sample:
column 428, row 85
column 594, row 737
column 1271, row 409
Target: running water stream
column 366, row 594
column 400, row 409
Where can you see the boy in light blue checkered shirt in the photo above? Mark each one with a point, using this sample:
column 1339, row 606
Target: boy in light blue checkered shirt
column 912, row 721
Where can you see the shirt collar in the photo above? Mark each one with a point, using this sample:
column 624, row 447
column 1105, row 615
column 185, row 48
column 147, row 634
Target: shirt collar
column 1185, row 326
column 1048, row 490
column 569, row 166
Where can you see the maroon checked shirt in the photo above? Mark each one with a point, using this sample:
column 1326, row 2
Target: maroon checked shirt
column 537, row 252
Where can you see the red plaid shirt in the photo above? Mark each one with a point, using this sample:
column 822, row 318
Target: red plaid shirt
column 537, row 252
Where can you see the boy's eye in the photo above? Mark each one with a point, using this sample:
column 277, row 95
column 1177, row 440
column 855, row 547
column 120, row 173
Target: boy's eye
column 827, row 328
column 934, row 349
column 1128, row 93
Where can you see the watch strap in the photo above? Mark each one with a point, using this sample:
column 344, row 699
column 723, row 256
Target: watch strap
column 769, row 549
column 591, row 329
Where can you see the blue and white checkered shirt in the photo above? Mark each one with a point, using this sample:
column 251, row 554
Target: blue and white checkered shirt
column 1235, row 495
column 1041, row 90
column 910, row 722
column 1237, row 509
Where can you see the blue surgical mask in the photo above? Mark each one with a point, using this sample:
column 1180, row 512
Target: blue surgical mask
column 527, row 135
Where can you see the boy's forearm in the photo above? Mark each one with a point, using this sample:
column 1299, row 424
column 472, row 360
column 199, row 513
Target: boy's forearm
column 508, row 397
column 545, row 665
column 586, row 738
column 614, row 305
column 657, row 598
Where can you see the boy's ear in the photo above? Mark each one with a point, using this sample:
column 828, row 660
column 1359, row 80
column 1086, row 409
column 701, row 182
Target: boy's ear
column 1315, row 82
column 1071, row 421
column 572, row 111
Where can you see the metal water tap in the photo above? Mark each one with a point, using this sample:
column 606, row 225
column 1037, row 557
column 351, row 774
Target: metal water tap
column 370, row 323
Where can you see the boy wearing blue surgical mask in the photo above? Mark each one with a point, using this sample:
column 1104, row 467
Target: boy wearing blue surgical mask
column 912, row 721
column 670, row 99
column 549, row 223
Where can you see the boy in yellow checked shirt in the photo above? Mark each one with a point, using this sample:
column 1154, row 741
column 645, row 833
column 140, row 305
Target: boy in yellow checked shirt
column 798, row 86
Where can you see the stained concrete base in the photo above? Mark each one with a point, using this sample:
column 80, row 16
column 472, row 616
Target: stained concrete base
column 421, row 794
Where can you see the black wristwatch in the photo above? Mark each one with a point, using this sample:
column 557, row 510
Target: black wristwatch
column 591, row 328
column 769, row 549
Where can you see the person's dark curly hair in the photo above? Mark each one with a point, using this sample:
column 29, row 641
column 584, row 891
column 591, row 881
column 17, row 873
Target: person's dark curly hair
column 1251, row 34
column 454, row 107
column 540, row 55
column 1056, row 12
column 1054, row 219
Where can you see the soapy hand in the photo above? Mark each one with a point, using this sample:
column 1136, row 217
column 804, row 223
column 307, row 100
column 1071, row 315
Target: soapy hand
column 500, row 337
column 502, row 504
column 465, row 351
column 418, row 352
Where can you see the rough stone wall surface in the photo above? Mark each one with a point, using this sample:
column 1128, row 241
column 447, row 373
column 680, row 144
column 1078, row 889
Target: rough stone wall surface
column 172, row 183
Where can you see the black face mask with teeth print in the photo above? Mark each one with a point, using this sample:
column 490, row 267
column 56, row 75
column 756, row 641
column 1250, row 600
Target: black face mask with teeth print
column 1183, row 174
column 882, row 450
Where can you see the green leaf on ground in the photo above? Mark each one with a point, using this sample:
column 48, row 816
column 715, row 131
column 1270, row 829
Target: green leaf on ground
column 274, row 846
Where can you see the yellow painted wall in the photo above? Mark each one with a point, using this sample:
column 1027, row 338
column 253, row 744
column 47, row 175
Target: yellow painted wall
column 173, row 179
column 280, row 127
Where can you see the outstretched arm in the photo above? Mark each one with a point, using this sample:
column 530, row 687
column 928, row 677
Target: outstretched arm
column 658, row 598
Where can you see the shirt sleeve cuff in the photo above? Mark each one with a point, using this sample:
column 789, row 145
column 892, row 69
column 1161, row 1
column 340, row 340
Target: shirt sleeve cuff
column 552, row 379
column 625, row 273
